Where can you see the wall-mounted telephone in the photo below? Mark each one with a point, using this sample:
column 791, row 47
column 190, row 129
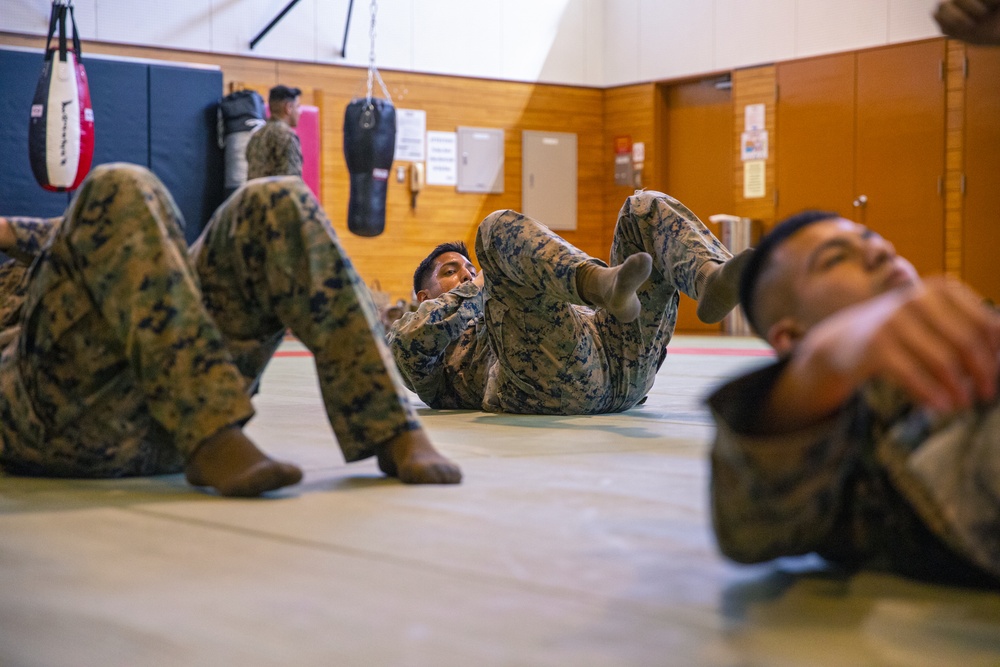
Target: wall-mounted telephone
column 416, row 182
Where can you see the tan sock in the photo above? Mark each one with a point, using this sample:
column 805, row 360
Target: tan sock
column 719, row 287
column 614, row 288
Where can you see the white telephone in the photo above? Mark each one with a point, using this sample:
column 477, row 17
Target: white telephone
column 416, row 182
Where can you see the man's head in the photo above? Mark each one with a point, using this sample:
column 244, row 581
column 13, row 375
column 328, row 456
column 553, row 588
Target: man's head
column 812, row 265
column 443, row 270
column 284, row 104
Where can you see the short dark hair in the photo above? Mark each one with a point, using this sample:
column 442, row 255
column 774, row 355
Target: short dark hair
column 424, row 270
column 280, row 94
column 762, row 254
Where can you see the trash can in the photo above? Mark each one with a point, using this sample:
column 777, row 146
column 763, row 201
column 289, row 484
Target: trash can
column 737, row 234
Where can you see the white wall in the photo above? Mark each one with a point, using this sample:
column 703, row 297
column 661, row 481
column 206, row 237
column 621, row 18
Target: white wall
column 656, row 39
column 577, row 42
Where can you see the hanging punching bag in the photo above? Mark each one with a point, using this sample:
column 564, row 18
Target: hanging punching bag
column 239, row 114
column 61, row 133
column 369, row 146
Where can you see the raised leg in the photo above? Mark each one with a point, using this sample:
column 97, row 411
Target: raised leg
column 270, row 260
column 119, row 370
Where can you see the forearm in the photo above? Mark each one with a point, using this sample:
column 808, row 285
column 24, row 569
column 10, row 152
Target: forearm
column 808, row 391
column 437, row 323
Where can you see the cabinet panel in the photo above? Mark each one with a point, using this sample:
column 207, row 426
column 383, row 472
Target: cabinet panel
column 698, row 157
column 869, row 123
column 814, row 148
column 981, row 228
column 901, row 148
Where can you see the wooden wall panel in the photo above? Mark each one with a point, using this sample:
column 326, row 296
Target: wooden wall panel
column 757, row 85
column 629, row 111
column 954, row 198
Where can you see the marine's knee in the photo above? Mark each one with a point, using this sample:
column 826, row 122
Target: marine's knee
column 119, row 175
column 494, row 221
column 486, row 232
column 128, row 194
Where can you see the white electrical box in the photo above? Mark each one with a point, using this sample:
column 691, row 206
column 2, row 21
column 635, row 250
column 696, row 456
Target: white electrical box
column 480, row 159
column 548, row 175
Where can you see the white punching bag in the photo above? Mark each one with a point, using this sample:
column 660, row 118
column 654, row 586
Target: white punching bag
column 61, row 134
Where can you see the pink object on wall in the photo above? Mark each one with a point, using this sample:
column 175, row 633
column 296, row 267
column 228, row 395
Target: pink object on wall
column 308, row 131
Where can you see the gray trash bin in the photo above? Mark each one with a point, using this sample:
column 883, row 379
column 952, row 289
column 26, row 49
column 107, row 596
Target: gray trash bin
column 736, row 234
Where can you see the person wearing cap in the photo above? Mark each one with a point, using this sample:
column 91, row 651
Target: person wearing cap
column 275, row 149
column 874, row 438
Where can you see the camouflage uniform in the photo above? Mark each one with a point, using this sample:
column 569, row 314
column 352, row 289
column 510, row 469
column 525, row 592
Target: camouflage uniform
column 880, row 485
column 274, row 150
column 119, row 367
column 30, row 234
column 99, row 381
column 530, row 344
column 269, row 259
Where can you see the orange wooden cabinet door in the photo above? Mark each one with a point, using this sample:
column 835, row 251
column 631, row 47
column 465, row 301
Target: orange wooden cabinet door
column 900, row 148
column 697, row 145
column 863, row 134
column 981, row 226
column 814, row 153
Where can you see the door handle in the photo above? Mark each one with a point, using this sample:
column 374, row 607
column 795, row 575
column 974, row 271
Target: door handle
column 860, row 201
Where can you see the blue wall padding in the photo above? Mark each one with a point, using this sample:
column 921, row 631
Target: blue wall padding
column 159, row 116
column 119, row 93
column 184, row 151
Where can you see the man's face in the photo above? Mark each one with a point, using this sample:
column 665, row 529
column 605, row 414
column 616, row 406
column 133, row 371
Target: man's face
column 837, row 263
column 293, row 110
column 450, row 270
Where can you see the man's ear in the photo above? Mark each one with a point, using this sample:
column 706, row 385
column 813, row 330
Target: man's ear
column 784, row 335
column 422, row 296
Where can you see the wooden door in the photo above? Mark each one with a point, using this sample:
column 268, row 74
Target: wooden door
column 981, row 225
column 814, row 147
column 900, row 148
column 697, row 145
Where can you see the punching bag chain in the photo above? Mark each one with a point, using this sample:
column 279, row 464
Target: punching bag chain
column 373, row 71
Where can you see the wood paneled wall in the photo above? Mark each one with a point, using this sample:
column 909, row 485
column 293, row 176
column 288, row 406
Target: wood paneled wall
column 954, row 196
column 441, row 214
column 629, row 111
column 757, row 85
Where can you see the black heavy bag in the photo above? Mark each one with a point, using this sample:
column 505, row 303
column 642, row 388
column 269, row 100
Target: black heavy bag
column 369, row 145
column 61, row 130
column 240, row 113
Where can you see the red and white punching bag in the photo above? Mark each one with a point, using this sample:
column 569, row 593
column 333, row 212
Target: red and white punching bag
column 61, row 134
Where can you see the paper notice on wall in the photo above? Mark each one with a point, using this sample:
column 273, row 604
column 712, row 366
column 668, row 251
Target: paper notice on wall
column 754, row 179
column 442, row 158
column 753, row 145
column 753, row 117
column 410, row 128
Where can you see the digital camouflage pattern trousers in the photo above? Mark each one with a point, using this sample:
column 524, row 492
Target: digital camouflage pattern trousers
column 121, row 366
column 554, row 354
